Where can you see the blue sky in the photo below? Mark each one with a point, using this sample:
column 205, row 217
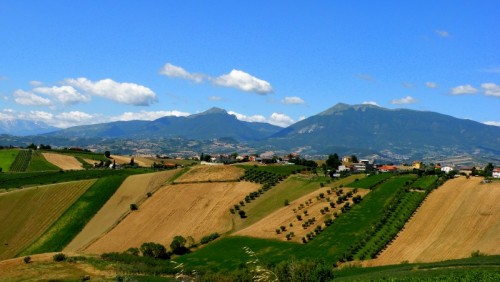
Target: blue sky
column 79, row 62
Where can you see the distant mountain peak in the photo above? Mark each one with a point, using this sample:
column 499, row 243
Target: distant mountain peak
column 211, row 111
column 340, row 107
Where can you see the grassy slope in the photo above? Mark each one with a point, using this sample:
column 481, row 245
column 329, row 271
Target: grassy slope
column 19, row 180
column 329, row 245
column 7, row 157
column 27, row 213
column 75, row 218
column 291, row 189
column 370, row 181
column 39, row 163
column 482, row 268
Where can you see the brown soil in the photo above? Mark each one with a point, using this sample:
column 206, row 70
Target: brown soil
column 204, row 173
column 194, row 210
column 460, row 217
column 266, row 228
column 63, row 161
column 132, row 191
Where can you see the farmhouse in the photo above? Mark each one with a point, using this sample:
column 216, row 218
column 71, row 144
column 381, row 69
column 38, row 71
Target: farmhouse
column 447, row 169
column 496, row 173
column 418, row 165
column 387, row 168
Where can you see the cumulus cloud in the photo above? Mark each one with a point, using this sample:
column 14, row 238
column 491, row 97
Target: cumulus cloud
column 431, row 84
column 147, row 115
column 278, row 119
column 404, row 101
column 30, row 99
column 370, row 103
column 443, row 33
column 491, row 89
column 254, row 118
column 179, row 72
column 292, row 100
column 495, row 123
column 66, row 95
column 243, row 81
column 121, row 92
column 463, row 89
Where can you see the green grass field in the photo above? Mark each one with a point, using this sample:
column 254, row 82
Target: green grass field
column 27, row 179
column 39, row 163
column 76, row 216
column 22, row 161
column 370, row 181
column 7, row 157
column 279, row 169
column 425, row 182
column 330, row 245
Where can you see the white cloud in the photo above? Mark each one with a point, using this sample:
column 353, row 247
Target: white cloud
column 370, row 103
column 292, row 100
column 431, row 84
column 243, row 81
column 214, row 98
column 463, row 89
column 491, row 89
column 491, row 70
column 121, row 92
column 30, row 99
column 178, row 72
column 254, row 118
column 403, row 101
column 280, row 120
column 495, row 123
column 147, row 115
column 36, row 83
column 443, row 33
column 66, row 95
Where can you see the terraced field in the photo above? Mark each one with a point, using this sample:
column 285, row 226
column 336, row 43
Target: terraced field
column 26, row 214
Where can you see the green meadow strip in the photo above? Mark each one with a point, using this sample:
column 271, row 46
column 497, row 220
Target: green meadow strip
column 76, row 217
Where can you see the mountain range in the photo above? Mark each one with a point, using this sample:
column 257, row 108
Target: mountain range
column 366, row 130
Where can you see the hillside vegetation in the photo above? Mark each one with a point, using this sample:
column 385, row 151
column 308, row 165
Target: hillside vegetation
column 7, row 157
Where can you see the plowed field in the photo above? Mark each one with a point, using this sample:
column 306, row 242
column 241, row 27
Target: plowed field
column 25, row 214
column 63, row 161
column 185, row 209
column 203, row 173
column 132, row 191
column 460, row 217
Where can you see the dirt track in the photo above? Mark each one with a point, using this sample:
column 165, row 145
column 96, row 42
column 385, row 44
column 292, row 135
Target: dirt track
column 460, row 217
column 132, row 190
column 63, row 161
column 185, row 209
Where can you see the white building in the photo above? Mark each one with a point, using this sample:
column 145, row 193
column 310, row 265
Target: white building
column 496, row 173
column 447, row 169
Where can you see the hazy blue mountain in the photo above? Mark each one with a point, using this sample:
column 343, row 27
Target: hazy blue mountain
column 21, row 127
column 398, row 131
column 211, row 124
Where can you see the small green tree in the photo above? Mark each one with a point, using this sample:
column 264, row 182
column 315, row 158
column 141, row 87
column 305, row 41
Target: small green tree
column 154, row 250
column 178, row 245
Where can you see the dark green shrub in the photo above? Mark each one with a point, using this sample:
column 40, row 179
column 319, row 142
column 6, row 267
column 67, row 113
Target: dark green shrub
column 59, row 257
